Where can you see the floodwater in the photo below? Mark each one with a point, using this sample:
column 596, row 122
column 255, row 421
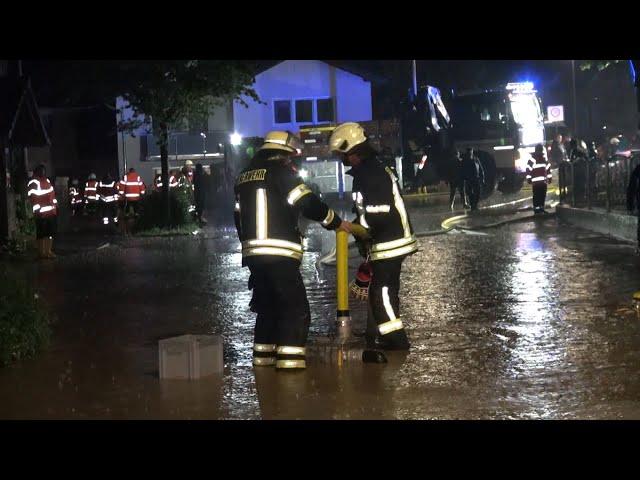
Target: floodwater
column 525, row 320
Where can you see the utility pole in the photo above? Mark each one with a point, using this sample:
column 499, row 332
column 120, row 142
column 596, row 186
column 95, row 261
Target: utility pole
column 415, row 79
column 575, row 116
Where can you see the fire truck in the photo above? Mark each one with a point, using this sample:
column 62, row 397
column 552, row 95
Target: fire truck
column 503, row 125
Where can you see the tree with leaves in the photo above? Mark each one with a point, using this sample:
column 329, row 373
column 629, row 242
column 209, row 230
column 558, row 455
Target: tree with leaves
column 166, row 93
column 161, row 94
column 603, row 64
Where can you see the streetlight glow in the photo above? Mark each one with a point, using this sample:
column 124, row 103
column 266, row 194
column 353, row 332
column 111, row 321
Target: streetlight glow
column 235, row 139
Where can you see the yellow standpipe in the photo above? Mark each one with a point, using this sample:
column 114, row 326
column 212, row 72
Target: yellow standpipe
column 343, row 316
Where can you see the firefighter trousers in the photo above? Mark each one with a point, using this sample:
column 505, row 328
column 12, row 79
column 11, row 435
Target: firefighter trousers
column 453, row 187
column 472, row 187
column 539, row 195
column 283, row 315
column 383, row 321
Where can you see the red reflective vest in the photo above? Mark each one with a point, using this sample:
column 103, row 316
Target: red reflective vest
column 538, row 169
column 108, row 192
column 43, row 197
column 91, row 191
column 75, row 196
column 132, row 187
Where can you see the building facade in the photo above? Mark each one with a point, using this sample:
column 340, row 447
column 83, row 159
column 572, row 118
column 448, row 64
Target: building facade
column 293, row 93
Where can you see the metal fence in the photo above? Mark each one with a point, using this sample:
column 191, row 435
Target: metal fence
column 589, row 183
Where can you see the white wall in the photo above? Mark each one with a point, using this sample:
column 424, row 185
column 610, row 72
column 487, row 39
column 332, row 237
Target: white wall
column 129, row 145
column 299, row 79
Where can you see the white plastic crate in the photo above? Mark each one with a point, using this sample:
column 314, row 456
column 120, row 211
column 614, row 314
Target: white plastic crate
column 190, row 357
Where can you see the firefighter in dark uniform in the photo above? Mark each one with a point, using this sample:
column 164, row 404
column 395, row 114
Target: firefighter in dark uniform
column 380, row 209
column 269, row 196
column 473, row 174
column 633, row 198
column 539, row 175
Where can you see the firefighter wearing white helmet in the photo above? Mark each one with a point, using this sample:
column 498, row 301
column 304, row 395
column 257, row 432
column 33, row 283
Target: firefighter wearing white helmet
column 269, row 196
column 189, row 170
column 91, row 194
column 380, row 209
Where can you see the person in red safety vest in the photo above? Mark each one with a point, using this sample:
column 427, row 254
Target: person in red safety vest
column 45, row 209
column 189, row 170
column 539, row 175
column 108, row 192
column 91, row 194
column 75, row 198
column 132, row 188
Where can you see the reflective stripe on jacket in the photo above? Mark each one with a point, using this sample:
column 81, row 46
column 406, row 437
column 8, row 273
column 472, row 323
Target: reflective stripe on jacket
column 538, row 169
column 380, row 208
column 42, row 197
column 132, row 187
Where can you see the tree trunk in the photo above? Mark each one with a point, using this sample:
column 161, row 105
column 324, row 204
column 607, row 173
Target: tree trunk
column 4, row 198
column 164, row 175
column 636, row 68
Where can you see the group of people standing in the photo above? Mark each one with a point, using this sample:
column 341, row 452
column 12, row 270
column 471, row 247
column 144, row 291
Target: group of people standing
column 106, row 197
column 467, row 178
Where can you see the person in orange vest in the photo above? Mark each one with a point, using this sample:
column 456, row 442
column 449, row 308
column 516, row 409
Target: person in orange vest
column 91, row 194
column 185, row 183
column 75, row 198
column 45, row 209
column 132, row 188
column 173, row 179
column 108, row 192
column 189, row 170
column 539, row 175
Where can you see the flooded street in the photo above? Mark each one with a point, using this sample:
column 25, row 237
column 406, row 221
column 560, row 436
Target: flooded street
column 526, row 320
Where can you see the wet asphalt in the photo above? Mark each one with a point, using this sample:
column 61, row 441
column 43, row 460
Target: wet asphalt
column 526, row 319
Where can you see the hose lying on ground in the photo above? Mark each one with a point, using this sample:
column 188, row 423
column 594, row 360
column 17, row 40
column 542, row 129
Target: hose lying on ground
column 446, row 226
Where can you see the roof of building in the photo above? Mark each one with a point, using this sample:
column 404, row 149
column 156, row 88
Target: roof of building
column 20, row 122
column 349, row 66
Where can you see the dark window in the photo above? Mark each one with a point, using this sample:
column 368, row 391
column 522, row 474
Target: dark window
column 324, row 109
column 304, row 111
column 282, row 111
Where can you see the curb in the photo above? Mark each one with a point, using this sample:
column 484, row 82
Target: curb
column 621, row 226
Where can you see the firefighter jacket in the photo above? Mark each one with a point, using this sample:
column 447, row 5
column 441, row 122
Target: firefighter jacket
column 132, row 187
column 75, row 196
column 538, row 169
column 472, row 169
column 42, row 197
column 108, row 192
column 269, row 197
column 91, row 191
column 381, row 210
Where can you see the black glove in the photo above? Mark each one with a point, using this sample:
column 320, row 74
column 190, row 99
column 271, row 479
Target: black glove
column 363, row 247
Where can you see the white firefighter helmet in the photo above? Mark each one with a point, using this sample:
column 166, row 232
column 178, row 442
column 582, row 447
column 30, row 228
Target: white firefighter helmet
column 188, row 163
column 347, row 136
column 282, row 140
column 92, row 176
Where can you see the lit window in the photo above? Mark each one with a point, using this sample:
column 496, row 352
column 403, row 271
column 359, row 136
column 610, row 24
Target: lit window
column 282, row 111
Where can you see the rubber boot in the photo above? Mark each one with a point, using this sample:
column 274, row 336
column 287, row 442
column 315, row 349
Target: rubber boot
column 396, row 340
column 49, row 243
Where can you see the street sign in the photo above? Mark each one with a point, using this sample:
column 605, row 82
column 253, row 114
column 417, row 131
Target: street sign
column 555, row 113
